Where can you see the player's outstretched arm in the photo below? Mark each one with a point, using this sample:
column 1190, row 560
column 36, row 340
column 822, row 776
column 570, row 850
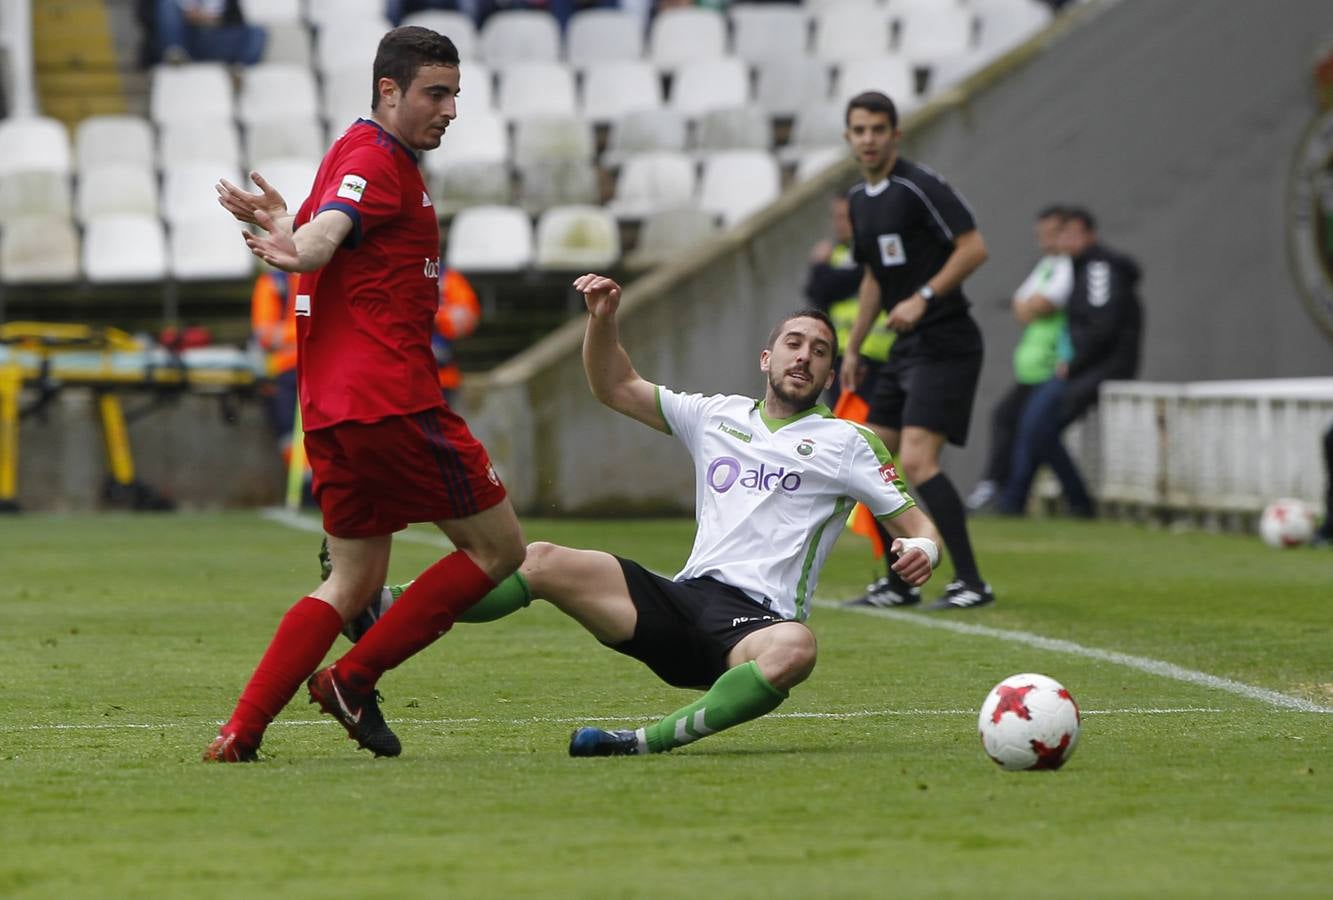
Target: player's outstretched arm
column 916, row 560
column 308, row 249
column 610, row 374
column 244, row 205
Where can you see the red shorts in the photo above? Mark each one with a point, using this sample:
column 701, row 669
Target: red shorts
column 378, row 477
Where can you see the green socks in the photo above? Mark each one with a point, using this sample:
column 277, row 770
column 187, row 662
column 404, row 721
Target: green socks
column 741, row 693
column 508, row 596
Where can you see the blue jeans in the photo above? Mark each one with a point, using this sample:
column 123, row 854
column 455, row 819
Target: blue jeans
column 1037, row 442
column 242, row 44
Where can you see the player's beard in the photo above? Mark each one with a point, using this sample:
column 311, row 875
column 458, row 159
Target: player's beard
column 797, row 400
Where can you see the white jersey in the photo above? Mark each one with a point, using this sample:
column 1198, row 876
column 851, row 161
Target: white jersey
column 1052, row 277
column 772, row 495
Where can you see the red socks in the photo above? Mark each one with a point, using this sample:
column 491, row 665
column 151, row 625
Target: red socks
column 426, row 610
column 304, row 635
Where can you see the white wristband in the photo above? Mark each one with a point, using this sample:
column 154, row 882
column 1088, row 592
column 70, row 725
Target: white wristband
column 925, row 545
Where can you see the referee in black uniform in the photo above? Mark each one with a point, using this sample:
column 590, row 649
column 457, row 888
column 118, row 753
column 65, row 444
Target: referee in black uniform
column 917, row 240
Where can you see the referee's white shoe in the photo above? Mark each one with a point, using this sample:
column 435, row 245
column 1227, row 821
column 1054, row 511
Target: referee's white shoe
column 960, row 595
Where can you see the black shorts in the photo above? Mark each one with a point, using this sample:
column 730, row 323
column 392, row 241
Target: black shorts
column 686, row 628
column 930, row 380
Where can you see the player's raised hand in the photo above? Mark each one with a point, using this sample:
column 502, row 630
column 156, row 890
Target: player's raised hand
column 244, row 205
column 602, row 294
column 277, row 248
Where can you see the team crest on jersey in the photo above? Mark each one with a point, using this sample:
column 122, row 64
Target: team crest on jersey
column 888, row 473
column 891, row 251
column 353, row 187
column 806, row 448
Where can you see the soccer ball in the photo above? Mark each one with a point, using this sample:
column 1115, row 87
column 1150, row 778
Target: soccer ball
column 1287, row 523
column 1029, row 722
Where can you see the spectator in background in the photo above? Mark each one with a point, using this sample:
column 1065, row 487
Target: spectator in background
column 206, row 31
column 1039, row 304
column 456, row 318
column 395, row 10
column 273, row 330
column 1104, row 330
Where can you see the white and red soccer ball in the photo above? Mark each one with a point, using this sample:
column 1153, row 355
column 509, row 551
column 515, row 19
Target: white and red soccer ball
column 1029, row 722
column 1287, row 523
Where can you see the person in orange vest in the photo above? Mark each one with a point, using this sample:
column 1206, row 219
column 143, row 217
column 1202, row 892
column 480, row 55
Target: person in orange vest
column 273, row 329
column 456, row 318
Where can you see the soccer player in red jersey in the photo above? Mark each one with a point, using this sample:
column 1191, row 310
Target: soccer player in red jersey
column 384, row 448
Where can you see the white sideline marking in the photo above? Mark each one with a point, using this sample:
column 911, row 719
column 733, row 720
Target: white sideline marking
column 281, row 516
column 577, row 720
column 1142, row 663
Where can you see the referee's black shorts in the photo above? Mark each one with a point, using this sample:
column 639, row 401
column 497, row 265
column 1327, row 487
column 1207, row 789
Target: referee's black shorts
column 686, row 628
column 930, row 380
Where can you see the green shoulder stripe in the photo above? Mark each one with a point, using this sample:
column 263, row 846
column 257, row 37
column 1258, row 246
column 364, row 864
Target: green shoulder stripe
column 657, row 395
column 876, row 445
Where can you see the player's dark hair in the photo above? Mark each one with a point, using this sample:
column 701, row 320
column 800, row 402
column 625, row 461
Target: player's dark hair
column 875, row 102
column 808, row 313
column 1054, row 211
column 403, row 51
column 1082, row 216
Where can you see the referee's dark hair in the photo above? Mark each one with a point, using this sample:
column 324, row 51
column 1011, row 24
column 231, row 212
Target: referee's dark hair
column 403, row 51
column 1082, row 216
column 875, row 102
column 1054, row 211
column 807, row 313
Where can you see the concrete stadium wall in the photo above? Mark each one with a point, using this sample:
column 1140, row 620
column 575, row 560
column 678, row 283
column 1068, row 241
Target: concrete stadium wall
column 1176, row 122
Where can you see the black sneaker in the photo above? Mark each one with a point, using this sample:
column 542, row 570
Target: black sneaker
column 886, row 593
column 358, row 711
column 960, row 595
column 356, row 629
column 596, row 742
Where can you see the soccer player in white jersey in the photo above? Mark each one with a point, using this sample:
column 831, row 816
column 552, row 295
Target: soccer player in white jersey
column 775, row 481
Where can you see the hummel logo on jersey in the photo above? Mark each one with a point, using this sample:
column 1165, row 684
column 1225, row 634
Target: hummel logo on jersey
column 891, row 251
column 355, row 719
column 352, row 187
column 425, row 199
column 737, row 434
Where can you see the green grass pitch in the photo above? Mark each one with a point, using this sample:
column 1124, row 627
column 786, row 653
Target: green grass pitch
column 124, row 640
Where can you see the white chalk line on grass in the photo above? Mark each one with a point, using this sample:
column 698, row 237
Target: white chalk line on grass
column 1146, row 664
column 578, row 720
column 1141, row 663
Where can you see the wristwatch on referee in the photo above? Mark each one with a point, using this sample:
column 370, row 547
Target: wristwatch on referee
column 927, row 292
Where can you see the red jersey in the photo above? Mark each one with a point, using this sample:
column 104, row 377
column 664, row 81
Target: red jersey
column 364, row 321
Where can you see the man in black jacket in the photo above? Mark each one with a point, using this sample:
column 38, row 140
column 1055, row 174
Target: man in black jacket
column 1105, row 325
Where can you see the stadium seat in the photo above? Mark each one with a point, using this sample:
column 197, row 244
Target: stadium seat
column 1003, row 24
column 476, row 89
column 188, row 189
column 850, row 29
column 762, row 31
column 686, row 34
column 814, row 161
column 475, row 182
column 338, row 43
column 536, row 88
column 288, row 42
column 456, row 26
column 34, row 144
column 578, row 238
column 596, row 36
column 475, row 138
column 490, row 239
column 926, row 31
column 543, row 185
column 208, row 247
column 292, row 176
column 39, row 251
column 784, row 87
column 115, row 188
column 816, row 126
column 271, row 12
column 107, row 139
column 191, row 92
column 287, row 137
column 205, row 139
column 34, row 194
column 345, row 96
column 738, row 128
column 671, row 232
column 330, row 12
column 649, row 182
column 519, row 36
column 738, row 183
column 643, row 131
column 274, row 91
column 890, row 74
column 612, row 89
column 710, row 84
column 550, row 138
column 125, row 249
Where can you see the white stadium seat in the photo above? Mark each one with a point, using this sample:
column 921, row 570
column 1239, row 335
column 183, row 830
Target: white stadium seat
column 345, row 96
column 577, row 238
column 785, row 87
column 650, row 182
column 644, row 131
column 34, row 144
column 340, row 42
column 288, row 42
column 671, row 232
column 490, row 239
column 815, row 127
column 191, row 92
column 476, row 138
column 850, row 29
column 270, row 12
column 763, row 31
column 205, row 139
column 188, row 189
column 684, row 34
column 550, row 138
column 930, row 31
column 1003, row 24
column 737, row 128
column 890, row 75
column 291, row 176
column 287, row 137
column 536, row 88
column 595, row 36
column 209, row 247
column 738, row 183
column 543, row 185
column 276, row 90
column 469, row 183
column 125, row 249
column 116, row 188
column 34, row 194
column 612, row 89
column 710, row 84
column 331, row 12
column 814, row 161
column 39, row 251
column 456, row 26
column 107, row 139
column 519, row 36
